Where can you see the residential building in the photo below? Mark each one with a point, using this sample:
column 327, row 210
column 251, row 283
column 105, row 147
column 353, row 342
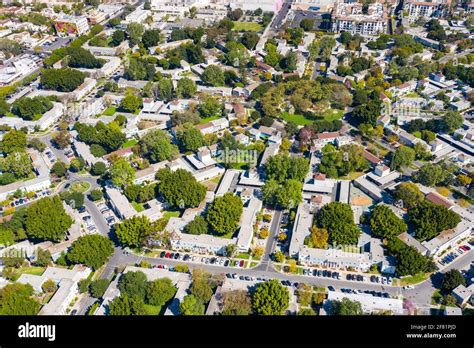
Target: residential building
column 425, row 9
column 71, row 25
column 350, row 17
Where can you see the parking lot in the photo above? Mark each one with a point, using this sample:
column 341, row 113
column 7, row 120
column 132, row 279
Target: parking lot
column 453, row 255
column 25, row 200
column 376, row 279
column 107, row 213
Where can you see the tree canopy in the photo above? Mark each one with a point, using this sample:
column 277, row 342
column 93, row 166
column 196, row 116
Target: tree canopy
column 61, row 80
column 270, row 298
column 16, row 299
column 384, row 223
column 431, row 219
column 338, row 219
column 180, row 188
column 92, row 250
column 133, row 231
column 157, row 147
column 224, row 213
column 46, row 219
column 346, row 307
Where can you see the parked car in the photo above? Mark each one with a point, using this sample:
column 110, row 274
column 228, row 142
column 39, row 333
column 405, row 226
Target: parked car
column 241, row 264
column 406, row 287
column 162, row 254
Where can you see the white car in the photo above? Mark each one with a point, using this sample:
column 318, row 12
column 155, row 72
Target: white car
column 406, row 287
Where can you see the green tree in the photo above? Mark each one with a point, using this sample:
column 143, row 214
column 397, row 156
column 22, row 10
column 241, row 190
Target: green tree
column 98, row 287
column 451, row 121
column 347, row 307
column 117, row 37
column 124, row 305
column 49, row 286
column 31, row 108
column 338, row 219
column 98, row 168
column 191, row 138
column 133, row 231
column 91, row 250
column 289, row 194
column 157, row 147
column 452, row 279
column 197, row 226
column 431, row 219
column 160, row 291
column 151, row 38
column 46, row 219
column 270, row 298
column 191, row 306
column 384, row 223
column 307, row 24
column 135, row 32
column 213, row 76
column 180, row 188
column 186, row 88
column 61, row 80
column 122, row 173
column 16, row 299
column 236, row 302
column 96, row 195
column 13, row 141
column 224, row 213
column 131, row 103
column 133, row 285
column 165, row 89
column 402, row 157
column 210, row 106
column 409, row 194
column 82, row 58
column 18, row 164
column 431, row 175
column 250, row 39
column 282, row 168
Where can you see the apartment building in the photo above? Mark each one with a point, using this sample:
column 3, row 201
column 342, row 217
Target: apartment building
column 424, row 9
column 353, row 18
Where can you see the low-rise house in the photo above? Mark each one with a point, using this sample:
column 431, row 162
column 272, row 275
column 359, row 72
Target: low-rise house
column 247, row 221
column 464, row 294
column 370, row 304
column 448, row 238
column 213, row 126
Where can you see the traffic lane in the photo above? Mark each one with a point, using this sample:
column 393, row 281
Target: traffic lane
column 277, row 275
column 271, row 241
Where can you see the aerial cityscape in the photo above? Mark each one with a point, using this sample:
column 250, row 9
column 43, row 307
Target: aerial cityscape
column 240, row 157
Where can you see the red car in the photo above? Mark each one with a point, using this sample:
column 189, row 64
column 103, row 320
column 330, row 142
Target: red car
column 241, row 264
column 167, row 255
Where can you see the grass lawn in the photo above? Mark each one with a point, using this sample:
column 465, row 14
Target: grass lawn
column 353, row 176
column 138, row 207
column 209, row 119
column 34, row 270
column 9, row 114
column 249, row 26
column 412, row 95
column 110, row 111
column 82, row 186
column 333, row 114
column 217, row 179
column 242, row 256
column 300, row 120
column 129, row 143
column 253, row 264
column 239, row 166
column 436, row 298
column 152, row 310
column 417, row 278
column 171, row 213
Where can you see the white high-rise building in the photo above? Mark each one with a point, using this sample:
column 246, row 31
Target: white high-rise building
column 351, row 17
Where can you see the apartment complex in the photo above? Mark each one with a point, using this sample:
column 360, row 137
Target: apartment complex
column 424, row 9
column 356, row 19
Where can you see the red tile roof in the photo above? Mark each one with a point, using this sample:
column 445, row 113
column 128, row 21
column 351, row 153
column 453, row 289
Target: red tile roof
column 370, row 157
column 437, row 199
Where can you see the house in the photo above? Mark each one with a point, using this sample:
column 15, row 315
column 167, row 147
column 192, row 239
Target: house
column 40, row 182
column 213, row 126
column 301, row 228
column 247, row 221
column 438, row 200
column 71, row 25
column 66, row 280
column 350, row 17
column 448, row 238
column 370, row 304
column 463, row 294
